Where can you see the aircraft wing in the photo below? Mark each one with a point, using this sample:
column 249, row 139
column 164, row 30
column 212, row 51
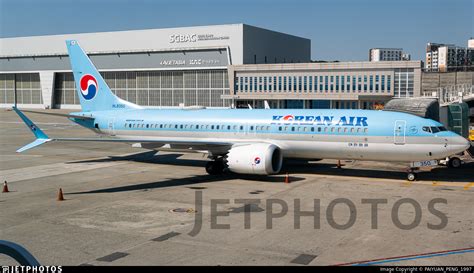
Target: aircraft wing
column 58, row 114
column 147, row 142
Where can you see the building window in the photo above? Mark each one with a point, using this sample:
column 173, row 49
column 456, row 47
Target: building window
column 371, row 86
column 326, row 81
column 383, row 83
column 237, row 83
column 403, row 82
column 310, row 83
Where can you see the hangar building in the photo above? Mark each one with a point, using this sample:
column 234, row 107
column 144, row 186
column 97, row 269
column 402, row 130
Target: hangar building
column 154, row 67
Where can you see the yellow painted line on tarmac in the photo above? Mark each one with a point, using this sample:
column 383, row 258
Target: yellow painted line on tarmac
column 406, row 184
column 403, row 183
column 469, row 185
column 445, row 184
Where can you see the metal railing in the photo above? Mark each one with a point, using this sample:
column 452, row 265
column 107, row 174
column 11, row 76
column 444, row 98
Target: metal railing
column 452, row 94
column 17, row 252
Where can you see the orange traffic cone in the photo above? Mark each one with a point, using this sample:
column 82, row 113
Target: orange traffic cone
column 60, row 195
column 287, row 179
column 5, row 187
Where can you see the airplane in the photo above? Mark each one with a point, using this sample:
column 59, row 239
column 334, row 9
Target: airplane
column 252, row 141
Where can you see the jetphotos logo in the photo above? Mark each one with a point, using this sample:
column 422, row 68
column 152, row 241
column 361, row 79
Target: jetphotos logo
column 321, row 120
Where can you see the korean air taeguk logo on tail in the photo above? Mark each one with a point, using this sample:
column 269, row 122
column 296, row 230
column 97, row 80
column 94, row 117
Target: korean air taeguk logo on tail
column 89, row 87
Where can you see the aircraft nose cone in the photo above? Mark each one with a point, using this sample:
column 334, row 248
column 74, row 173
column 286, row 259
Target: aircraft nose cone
column 458, row 144
column 462, row 143
column 468, row 144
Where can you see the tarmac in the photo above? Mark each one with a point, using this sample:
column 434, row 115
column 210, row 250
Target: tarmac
column 129, row 206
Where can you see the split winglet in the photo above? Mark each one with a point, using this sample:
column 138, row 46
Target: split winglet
column 41, row 137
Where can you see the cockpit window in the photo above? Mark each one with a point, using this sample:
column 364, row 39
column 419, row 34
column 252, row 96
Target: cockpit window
column 434, row 129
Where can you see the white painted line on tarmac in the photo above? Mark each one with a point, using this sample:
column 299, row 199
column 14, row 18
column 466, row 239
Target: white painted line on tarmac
column 39, row 123
column 20, row 174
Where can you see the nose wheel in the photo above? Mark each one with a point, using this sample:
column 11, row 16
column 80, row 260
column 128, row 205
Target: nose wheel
column 454, row 162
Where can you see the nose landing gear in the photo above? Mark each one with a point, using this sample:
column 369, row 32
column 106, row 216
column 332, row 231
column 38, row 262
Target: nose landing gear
column 454, row 162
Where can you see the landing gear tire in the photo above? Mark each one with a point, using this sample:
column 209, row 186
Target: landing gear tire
column 411, row 176
column 454, row 162
column 215, row 167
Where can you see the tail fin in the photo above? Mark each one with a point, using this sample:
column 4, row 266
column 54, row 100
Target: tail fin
column 92, row 90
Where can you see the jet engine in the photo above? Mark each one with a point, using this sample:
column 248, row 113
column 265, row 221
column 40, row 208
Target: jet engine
column 255, row 158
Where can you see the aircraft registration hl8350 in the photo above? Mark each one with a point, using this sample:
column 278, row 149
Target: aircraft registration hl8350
column 251, row 141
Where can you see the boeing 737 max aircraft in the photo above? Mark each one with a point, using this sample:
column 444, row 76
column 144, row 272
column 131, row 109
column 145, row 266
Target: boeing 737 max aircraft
column 252, row 141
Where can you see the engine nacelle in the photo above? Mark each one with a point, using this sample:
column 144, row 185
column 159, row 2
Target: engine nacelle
column 256, row 158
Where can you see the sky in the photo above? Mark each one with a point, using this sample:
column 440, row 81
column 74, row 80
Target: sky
column 341, row 30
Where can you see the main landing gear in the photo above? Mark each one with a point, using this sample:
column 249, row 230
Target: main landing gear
column 411, row 176
column 215, row 167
